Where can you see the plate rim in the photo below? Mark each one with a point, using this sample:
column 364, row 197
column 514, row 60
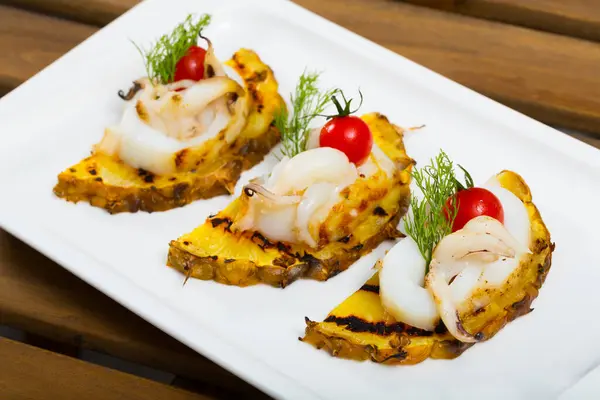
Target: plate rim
column 173, row 322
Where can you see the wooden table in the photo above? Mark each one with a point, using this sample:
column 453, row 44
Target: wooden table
column 541, row 57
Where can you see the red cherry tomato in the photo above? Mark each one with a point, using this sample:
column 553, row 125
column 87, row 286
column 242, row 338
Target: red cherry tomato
column 191, row 65
column 474, row 202
column 349, row 134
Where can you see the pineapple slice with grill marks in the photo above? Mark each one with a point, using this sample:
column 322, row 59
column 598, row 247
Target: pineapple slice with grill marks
column 368, row 215
column 360, row 328
column 206, row 171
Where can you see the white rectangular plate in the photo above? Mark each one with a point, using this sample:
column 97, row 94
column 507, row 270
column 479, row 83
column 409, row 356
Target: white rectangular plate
column 52, row 120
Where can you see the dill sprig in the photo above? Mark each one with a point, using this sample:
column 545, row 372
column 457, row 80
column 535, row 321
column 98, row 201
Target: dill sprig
column 431, row 220
column 307, row 102
column 162, row 57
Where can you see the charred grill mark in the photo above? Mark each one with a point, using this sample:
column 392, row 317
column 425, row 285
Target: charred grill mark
column 147, row 176
column 210, row 71
column 173, row 179
column 478, row 311
column 370, row 288
column 72, row 170
column 214, row 258
column 309, row 259
column 265, row 242
column 540, row 245
column 282, row 247
column 355, row 324
column 412, row 331
column 254, row 93
column 401, row 355
column 180, row 157
column 358, row 247
column 358, row 325
column 229, row 260
column 379, row 211
column 220, row 221
column 93, row 172
column 345, row 239
column 98, row 179
column 186, row 243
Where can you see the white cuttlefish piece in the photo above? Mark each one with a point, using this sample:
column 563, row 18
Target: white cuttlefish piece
column 401, row 280
column 161, row 120
column 291, row 204
column 482, row 254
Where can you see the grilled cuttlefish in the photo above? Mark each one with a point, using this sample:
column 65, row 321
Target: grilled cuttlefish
column 480, row 278
column 182, row 140
column 313, row 216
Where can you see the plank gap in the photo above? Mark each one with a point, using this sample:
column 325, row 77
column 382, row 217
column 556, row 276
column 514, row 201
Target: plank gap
column 576, row 18
column 93, row 12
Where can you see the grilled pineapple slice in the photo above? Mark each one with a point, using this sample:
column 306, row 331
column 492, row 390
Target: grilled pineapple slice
column 360, row 328
column 369, row 214
column 209, row 170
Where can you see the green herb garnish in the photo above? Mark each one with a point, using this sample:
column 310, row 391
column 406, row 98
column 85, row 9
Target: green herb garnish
column 161, row 59
column 468, row 180
column 431, row 219
column 343, row 111
column 307, row 102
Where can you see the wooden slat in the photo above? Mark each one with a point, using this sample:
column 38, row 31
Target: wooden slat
column 39, row 296
column 27, row 372
column 29, row 42
column 578, row 18
column 95, row 12
column 552, row 78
